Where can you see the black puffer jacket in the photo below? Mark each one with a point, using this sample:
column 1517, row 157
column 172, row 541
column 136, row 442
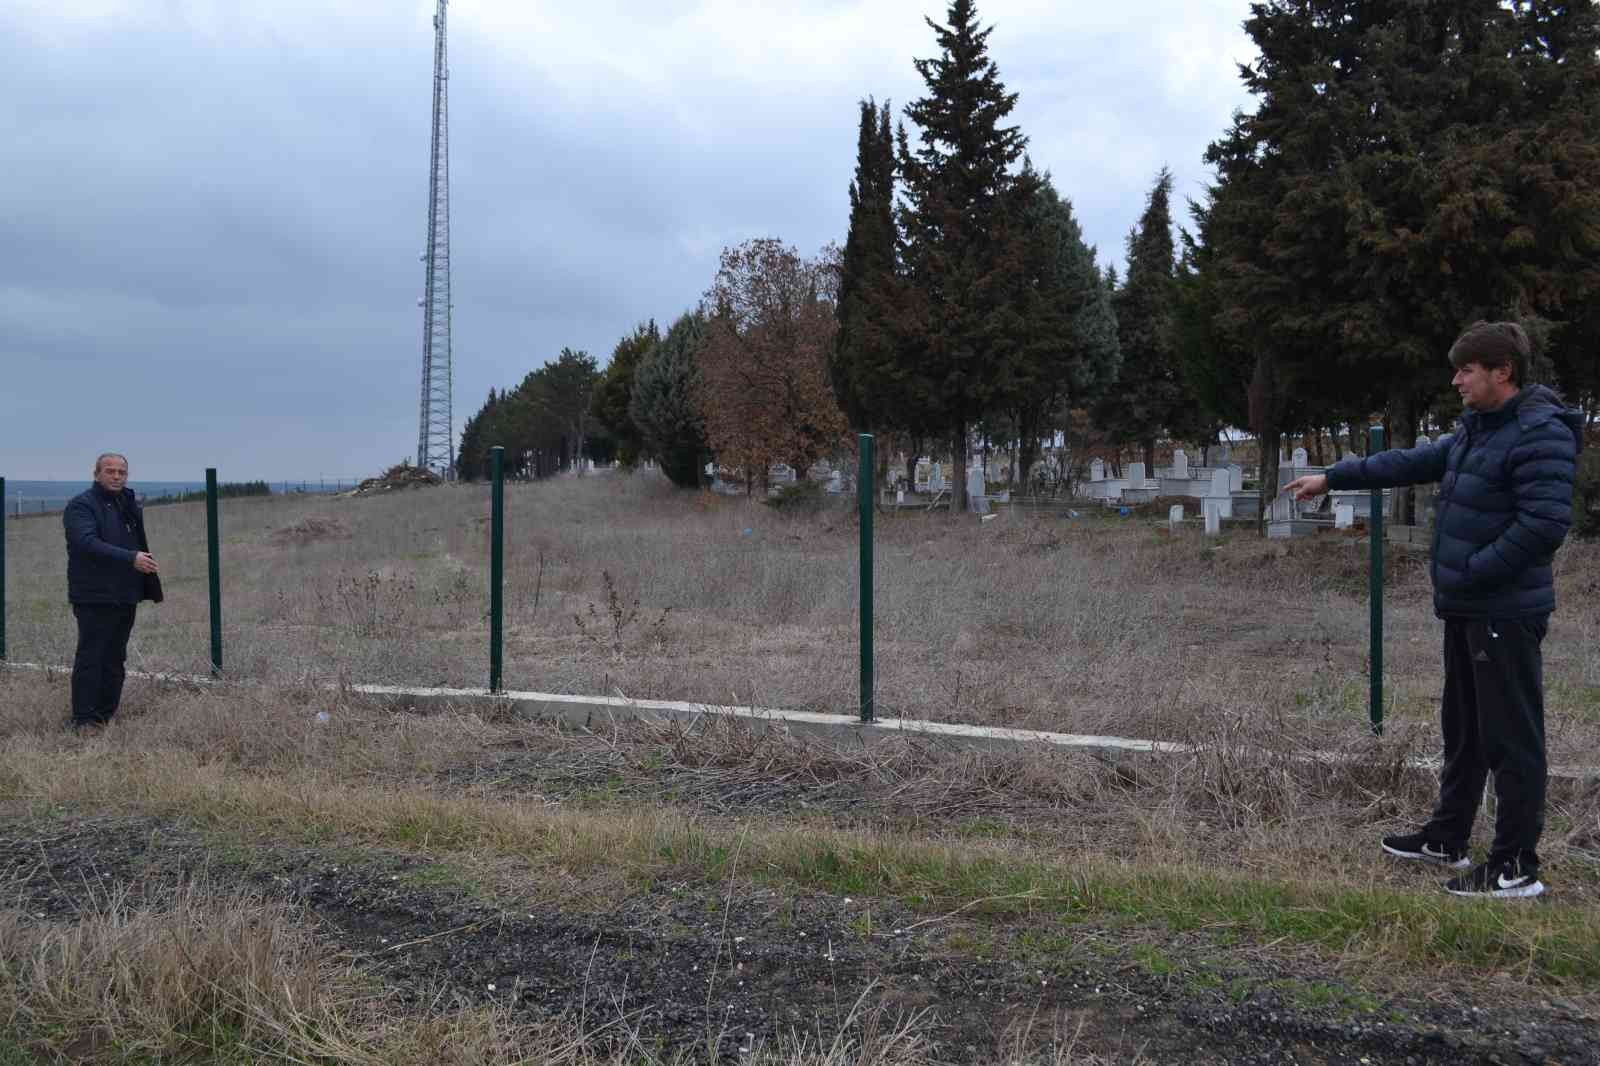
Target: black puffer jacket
column 1505, row 502
column 104, row 533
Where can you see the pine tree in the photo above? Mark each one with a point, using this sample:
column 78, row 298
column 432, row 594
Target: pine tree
column 1405, row 171
column 616, row 387
column 961, row 221
column 1148, row 398
column 666, row 401
column 472, row 455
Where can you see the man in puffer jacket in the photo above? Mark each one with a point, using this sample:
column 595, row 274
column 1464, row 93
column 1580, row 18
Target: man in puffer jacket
column 1504, row 506
column 109, row 572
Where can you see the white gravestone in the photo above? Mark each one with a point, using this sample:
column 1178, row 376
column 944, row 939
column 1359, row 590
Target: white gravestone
column 1235, row 477
column 975, row 490
column 1136, row 475
column 936, row 478
column 1213, row 513
column 1175, row 515
column 1097, row 470
column 1301, row 459
column 1344, row 516
column 1282, row 508
column 1180, row 464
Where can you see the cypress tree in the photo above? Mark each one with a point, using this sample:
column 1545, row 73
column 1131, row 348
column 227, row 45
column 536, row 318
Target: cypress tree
column 1148, row 398
column 861, row 365
column 615, row 388
column 666, row 401
column 1071, row 351
column 961, row 224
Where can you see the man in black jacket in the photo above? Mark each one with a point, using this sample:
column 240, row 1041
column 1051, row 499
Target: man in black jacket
column 109, row 571
column 1504, row 507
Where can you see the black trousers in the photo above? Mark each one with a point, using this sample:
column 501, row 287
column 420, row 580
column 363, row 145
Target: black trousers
column 98, row 667
column 1492, row 717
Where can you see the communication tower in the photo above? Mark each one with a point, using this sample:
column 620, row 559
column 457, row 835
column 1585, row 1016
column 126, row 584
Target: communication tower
column 435, row 444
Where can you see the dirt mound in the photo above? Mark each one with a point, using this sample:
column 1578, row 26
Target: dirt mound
column 309, row 530
column 403, row 476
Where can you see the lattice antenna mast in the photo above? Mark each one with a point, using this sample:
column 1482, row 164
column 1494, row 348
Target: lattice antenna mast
column 435, row 443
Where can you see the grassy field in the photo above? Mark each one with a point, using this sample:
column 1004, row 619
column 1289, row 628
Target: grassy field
column 281, row 872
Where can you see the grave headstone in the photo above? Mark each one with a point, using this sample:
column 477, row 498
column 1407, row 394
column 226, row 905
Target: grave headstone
column 1301, row 458
column 1235, row 477
column 1282, row 508
column 1097, row 470
column 1180, row 464
column 1175, row 515
column 936, row 478
column 1136, row 475
column 1344, row 516
column 975, row 490
column 1213, row 514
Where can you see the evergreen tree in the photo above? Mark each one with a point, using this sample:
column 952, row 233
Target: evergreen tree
column 471, row 457
column 961, row 221
column 1148, row 398
column 1407, row 169
column 1071, row 351
column 861, row 366
column 616, row 387
column 666, row 401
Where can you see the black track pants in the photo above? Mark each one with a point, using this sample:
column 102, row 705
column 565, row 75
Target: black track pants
column 1492, row 717
column 98, row 667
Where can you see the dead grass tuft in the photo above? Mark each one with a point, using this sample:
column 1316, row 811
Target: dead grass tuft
column 165, row 980
column 310, row 529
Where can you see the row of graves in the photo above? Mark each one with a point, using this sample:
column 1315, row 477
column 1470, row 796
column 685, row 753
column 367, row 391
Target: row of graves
column 1221, row 495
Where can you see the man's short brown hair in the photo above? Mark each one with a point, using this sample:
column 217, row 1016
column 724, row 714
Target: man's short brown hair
column 1491, row 345
column 99, row 462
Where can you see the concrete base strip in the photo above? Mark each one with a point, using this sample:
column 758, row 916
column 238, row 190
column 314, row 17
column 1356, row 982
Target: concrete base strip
column 592, row 712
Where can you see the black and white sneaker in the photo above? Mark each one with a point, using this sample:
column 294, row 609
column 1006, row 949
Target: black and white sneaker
column 1418, row 846
column 1497, row 880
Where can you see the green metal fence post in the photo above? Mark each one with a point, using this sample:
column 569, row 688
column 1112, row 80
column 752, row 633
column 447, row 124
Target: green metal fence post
column 214, row 559
column 497, row 559
column 2, row 569
column 1375, row 655
column 866, row 497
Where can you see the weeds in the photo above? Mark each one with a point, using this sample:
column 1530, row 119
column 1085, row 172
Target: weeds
column 610, row 633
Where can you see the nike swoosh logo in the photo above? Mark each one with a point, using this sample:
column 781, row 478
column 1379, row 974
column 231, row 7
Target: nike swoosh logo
column 1513, row 883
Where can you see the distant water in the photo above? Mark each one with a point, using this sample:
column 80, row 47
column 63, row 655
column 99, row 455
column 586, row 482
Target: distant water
column 42, row 497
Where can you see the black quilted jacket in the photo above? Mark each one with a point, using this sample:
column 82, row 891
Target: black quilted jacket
column 1505, row 502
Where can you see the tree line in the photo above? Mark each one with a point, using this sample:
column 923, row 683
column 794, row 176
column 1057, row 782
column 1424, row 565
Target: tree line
column 1405, row 168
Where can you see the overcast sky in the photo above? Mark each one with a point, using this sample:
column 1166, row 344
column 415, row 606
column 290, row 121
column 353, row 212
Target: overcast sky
column 211, row 210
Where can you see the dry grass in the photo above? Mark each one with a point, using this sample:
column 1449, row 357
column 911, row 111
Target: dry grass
column 220, row 976
column 1094, row 625
column 1222, row 836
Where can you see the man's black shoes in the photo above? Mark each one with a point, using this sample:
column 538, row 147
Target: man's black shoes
column 1497, row 880
column 1417, row 846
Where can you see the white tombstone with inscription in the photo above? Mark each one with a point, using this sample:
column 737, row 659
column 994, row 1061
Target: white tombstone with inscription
column 1180, row 463
column 1097, row 469
column 1175, row 515
column 1136, row 475
column 1301, row 459
column 1213, row 514
column 1344, row 516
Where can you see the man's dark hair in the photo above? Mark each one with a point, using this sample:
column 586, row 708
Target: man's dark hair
column 1491, row 345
